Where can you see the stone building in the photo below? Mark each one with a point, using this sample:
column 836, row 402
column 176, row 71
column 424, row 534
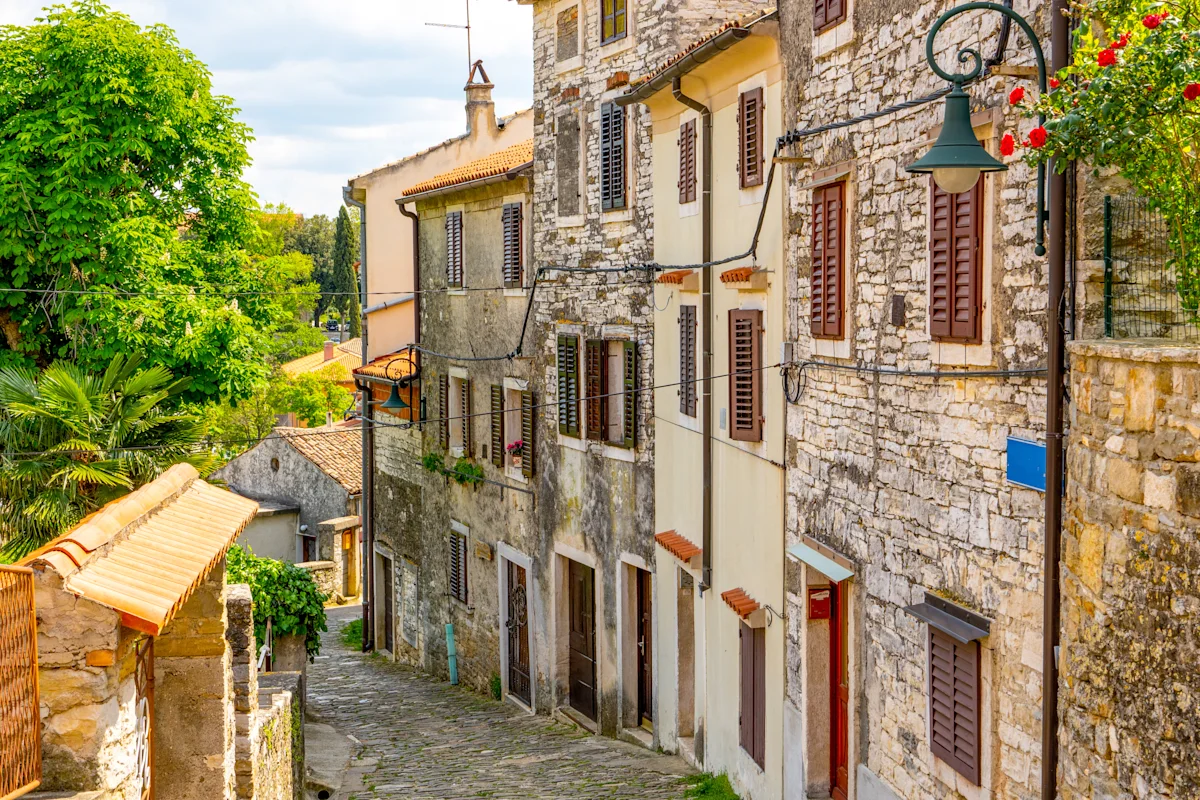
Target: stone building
column 719, row 641
column 593, row 207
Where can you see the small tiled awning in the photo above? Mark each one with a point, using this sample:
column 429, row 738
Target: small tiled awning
column 679, row 546
column 742, row 604
column 737, row 275
column 959, row 623
column 822, row 559
column 675, row 276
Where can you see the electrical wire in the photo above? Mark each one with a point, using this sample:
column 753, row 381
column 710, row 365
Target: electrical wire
column 793, row 391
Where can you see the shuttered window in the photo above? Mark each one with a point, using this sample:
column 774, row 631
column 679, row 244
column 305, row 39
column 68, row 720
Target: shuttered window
column 458, row 566
column 629, row 364
column 827, row 13
column 828, row 256
column 954, row 702
column 468, row 437
column 745, row 375
column 514, row 245
column 568, row 385
column 752, row 719
column 527, row 429
column 454, row 249
column 750, row 138
column 955, row 264
column 611, row 369
column 687, row 360
column 497, row 443
column 687, row 161
column 444, row 411
column 597, row 388
column 612, row 156
column 613, row 20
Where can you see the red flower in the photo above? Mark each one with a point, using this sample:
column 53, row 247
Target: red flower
column 1152, row 21
column 1007, row 144
column 1107, row 57
column 1016, row 95
column 1191, row 91
column 1037, row 137
column 1054, row 83
column 1121, row 42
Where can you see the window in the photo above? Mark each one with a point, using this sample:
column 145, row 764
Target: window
column 514, row 245
column 454, row 404
column 750, row 138
column 687, row 161
column 458, row 566
column 827, row 301
column 567, row 34
column 827, row 13
column 954, row 702
column 444, row 411
column 745, row 375
column 687, row 360
column 454, row 250
column 612, row 157
column 752, row 722
column 568, row 385
column 512, row 422
column 566, row 164
column 613, row 20
column 612, row 392
column 308, row 547
column 955, row 266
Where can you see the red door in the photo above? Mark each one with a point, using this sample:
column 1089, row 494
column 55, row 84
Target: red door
column 839, row 690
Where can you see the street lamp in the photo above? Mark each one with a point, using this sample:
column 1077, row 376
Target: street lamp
column 394, row 402
column 957, row 158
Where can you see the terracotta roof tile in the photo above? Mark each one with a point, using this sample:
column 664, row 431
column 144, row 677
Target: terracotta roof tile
column 335, row 451
column 392, row 366
column 742, row 604
column 489, row 166
column 675, row 276
column 678, row 546
column 144, row 554
column 737, row 275
column 742, row 21
column 346, row 356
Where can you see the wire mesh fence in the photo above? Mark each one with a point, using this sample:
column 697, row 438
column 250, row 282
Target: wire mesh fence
column 1141, row 291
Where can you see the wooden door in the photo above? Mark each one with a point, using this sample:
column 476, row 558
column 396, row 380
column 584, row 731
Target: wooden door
column 389, row 604
column 518, row 634
column 839, row 690
column 582, row 644
column 645, row 655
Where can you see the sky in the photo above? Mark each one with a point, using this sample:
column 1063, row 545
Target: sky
column 334, row 89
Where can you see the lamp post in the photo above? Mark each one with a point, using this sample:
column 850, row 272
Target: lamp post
column 394, row 402
column 957, row 159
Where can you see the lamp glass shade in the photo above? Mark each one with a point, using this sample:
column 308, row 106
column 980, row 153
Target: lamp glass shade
column 957, row 158
column 394, row 401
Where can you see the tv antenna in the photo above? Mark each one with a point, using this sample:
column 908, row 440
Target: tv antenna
column 466, row 27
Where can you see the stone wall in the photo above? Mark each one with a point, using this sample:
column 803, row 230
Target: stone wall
column 1128, row 688
column 279, row 745
column 243, row 685
column 326, row 575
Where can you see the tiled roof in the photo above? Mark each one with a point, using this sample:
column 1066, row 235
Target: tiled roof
column 742, row 604
column 144, row 554
column 335, row 451
column 675, row 276
column 489, row 166
column 743, row 21
column 678, row 546
column 392, row 366
column 737, row 275
column 346, row 355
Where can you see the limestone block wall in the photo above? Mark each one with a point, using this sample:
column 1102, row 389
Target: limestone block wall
column 279, row 743
column 1128, row 687
column 326, row 575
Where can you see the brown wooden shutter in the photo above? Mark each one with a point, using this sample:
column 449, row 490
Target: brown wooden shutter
column 568, row 385
column 527, row 434
column 596, row 388
column 759, row 753
column 827, row 298
column 745, row 375
column 687, row 161
column 612, row 156
column 454, row 250
column 827, row 13
column 687, row 360
column 629, row 362
column 458, row 567
column 954, row 702
column 752, row 717
column 514, row 245
column 750, row 138
column 498, row 426
column 444, row 411
column 955, row 264
column 468, row 427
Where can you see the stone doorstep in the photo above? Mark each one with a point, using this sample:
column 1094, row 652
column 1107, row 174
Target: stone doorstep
column 326, row 758
column 639, row 736
column 576, row 720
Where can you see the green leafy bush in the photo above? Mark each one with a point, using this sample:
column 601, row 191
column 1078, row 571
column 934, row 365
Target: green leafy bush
column 283, row 593
column 466, row 472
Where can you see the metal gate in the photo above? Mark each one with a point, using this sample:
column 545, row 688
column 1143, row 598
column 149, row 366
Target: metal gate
column 20, row 717
column 144, row 685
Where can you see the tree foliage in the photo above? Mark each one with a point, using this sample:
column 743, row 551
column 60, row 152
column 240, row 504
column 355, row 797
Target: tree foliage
column 345, row 255
column 90, row 438
column 282, row 593
column 313, row 236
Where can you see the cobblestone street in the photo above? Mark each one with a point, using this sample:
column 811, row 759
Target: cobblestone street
column 422, row 738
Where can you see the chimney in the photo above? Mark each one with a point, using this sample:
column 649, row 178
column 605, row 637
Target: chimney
column 329, row 351
column 481, row 111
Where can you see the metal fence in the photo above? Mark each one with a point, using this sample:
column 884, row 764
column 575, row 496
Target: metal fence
column 20, row 718
column 1141, row 297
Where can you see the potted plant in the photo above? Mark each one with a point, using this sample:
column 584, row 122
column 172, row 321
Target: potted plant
column 517, row 451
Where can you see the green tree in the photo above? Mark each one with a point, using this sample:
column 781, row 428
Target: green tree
column 313, row 237
column 345, row 254
column 282, row 593
column 122, row 173
column 73, row 441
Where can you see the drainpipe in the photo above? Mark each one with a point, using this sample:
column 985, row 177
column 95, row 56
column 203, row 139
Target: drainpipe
column 367, row 501
column 706, row 313
column 416, row 260
column 1056, row 265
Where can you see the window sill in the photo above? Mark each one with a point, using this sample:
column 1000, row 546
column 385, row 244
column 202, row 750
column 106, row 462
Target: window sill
column 618, row 453
column 832, row 348
column 617, row 215
column 752, row 195
column 457, row 452
column 833, row 39
column 512, row 292
column 616, row 46
column 691, row 209
column 568, row 65
column 515, row 474
column 572, row 443
column 573, row 221
column 456, row 292
column 960, row 354
column 466, row 608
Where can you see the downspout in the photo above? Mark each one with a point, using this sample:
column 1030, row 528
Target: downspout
column 706, row 313
column 1056, row 264
column 367, row 502
column 416, row 260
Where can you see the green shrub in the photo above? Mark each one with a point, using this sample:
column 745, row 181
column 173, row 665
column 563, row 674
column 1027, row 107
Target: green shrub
column 283, row 593
column 352, row 634
column 497, row 688
column 707, row 786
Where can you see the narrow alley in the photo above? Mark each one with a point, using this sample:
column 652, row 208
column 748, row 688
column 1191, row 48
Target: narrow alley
column 427, row 739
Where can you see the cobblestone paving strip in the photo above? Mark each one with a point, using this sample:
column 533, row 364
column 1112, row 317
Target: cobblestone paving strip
column 422, row 738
